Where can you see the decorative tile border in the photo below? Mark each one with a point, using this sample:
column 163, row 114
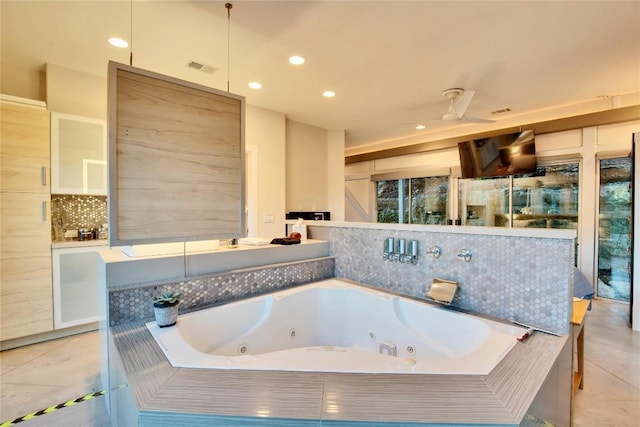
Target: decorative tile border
column 133, row 302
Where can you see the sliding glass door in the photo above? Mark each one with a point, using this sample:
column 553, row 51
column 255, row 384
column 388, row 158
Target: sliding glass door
column 614, row 229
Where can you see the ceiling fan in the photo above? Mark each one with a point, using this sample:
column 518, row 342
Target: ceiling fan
column 459, row 100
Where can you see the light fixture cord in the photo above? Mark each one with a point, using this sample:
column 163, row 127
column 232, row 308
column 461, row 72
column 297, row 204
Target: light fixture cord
column 228, row 6
column 131, row 32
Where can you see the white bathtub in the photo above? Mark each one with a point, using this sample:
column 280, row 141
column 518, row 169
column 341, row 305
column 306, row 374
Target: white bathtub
column 335, row 326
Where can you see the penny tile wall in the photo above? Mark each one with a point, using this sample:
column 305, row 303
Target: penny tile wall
column 512, row 278
column 133, row 302
column 77, row 211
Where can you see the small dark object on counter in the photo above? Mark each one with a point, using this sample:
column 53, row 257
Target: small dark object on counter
column 84, row 234
column 285, row 241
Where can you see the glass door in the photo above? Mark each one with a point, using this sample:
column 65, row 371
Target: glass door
column 614, row 230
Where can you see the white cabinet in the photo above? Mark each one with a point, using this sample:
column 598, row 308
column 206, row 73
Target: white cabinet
column 78, row 155
column 75, row 286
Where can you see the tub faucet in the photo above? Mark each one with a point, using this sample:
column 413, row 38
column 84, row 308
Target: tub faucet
column 464, row 255
column 434, row 251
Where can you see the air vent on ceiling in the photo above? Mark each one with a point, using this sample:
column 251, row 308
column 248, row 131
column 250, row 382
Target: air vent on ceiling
column 201, row 67
column 501, row 110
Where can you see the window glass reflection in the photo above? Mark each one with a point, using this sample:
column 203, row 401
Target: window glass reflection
column 421, row 200
column 547, row 199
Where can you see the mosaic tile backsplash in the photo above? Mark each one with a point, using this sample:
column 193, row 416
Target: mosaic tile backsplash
column 133, row 302
column 512, row 278
column 77, row 211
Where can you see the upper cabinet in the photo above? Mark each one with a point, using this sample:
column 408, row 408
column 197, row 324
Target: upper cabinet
column 78, row 155
column 24, row 148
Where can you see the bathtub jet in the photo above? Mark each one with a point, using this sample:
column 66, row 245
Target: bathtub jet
column 336, row 326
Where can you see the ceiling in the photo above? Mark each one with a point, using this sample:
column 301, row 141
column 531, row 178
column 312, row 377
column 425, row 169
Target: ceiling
column 387, row 61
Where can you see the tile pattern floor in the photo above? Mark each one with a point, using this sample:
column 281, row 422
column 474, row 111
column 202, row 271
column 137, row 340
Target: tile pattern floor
column 42, row 375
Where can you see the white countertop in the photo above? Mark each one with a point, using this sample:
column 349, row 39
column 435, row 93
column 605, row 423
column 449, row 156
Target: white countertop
column 79, row 244
column 540, row 233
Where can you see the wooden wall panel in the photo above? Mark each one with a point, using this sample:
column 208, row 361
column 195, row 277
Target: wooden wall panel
column 179, row 160
column 24, row 149
column 26, row 305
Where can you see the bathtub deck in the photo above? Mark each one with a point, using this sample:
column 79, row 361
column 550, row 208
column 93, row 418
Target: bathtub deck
column 167, row 396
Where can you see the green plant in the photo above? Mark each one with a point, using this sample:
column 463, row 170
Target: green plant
column 167, row 299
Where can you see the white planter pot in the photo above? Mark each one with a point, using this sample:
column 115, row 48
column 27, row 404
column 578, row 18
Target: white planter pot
column 167, row 315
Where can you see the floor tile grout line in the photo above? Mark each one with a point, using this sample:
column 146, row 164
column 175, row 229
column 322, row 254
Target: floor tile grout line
column 587, row 359
column 45, row 353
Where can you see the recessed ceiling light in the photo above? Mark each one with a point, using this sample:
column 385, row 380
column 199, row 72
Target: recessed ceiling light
column 118, row 42
column 420, row 127
column 328, row 94
column 296, row 60
column 255, row 85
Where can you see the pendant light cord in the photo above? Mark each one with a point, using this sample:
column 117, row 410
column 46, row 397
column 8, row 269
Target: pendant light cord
column 228, row 6
column 131, row 32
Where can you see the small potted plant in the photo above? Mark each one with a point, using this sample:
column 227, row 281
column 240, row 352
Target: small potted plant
column 165, row 307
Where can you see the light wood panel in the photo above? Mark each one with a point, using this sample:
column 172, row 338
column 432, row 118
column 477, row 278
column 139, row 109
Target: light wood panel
column 178, row 160
column 24, row 148
column 25, row 265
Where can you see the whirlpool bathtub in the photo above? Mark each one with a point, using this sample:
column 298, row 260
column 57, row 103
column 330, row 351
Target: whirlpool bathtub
column 335, row 326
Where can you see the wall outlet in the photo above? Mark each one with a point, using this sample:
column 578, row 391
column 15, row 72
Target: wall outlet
column 70, row 234
column 269, row 218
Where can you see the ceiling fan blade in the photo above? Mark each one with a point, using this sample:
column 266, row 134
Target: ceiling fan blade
column 462, row 102
column 467, row 119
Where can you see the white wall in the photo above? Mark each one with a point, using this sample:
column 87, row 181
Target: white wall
column 74, row 92
column 29, row 84
column 315, row 169
column 335, row 174
column 265, row 130
column 307, row 160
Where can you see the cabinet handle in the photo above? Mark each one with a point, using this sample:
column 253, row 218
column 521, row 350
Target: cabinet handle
column 44, row 211
column 44, row 176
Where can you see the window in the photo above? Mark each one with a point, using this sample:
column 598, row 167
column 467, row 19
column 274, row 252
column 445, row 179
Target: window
column 413, row 200
column 387, row 201
column 615, row 229
column 546, row 199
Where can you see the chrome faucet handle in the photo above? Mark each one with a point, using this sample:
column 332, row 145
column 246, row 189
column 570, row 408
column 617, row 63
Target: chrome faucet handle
column 434, row 251
column 464, row 255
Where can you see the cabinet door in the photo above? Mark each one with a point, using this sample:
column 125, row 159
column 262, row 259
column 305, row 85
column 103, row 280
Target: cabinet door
column 24, row 149
column 26, row 305
column 75, row 286
column 78, row 155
